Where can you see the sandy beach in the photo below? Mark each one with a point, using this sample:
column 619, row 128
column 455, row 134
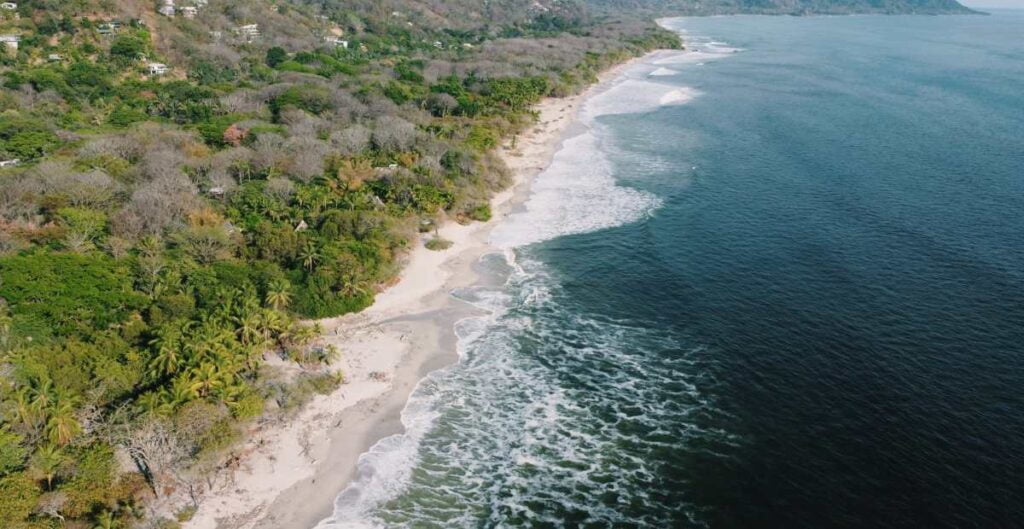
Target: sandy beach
column 291, row 473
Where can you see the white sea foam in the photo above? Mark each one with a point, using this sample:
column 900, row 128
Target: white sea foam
column 631, row 96
column 576, row 194
column 510, row 415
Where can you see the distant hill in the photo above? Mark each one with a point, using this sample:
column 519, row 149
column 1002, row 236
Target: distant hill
column 785, row 7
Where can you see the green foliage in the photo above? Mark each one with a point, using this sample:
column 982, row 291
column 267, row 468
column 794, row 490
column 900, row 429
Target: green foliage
column 275, row 56
column 82, row 220
column 311, row 98
column 438, row 244
column 482, row 138
column 481, row 213
column 19, row 493
column 68, row 292
column 12, row 452
column 128, row 47
column 92, row 486
column 516, row 94
column 125, row 115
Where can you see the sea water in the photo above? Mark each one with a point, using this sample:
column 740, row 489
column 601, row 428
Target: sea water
column 774, row 281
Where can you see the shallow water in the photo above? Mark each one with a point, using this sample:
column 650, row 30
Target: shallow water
column 778, row 283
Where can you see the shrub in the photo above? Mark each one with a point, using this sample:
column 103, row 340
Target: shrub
column 481, row 213
column 438, row 244
column 19, row 493
column 276, row 56
column 12, row 453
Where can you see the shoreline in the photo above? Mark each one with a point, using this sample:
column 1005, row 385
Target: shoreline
column 387, row 349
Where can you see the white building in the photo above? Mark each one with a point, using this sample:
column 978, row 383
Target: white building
column 200, row 3
column 10, row 41
column 107, row 28
column 9, row 163
column 189, row 11
column 9, row 6
column 156, row 68
column 54, row 57
column 249, row 32
column 336, row 42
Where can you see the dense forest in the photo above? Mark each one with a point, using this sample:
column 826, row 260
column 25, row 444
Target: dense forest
column 184, row 184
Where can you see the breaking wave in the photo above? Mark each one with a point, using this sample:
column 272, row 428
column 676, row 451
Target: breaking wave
column 550, row 417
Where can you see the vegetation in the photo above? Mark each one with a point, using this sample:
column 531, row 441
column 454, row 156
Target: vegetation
column 783, row 7
column 162, row 234
column 437, row 244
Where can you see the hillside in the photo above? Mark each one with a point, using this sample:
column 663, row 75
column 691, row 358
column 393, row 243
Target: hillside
column 783, row 7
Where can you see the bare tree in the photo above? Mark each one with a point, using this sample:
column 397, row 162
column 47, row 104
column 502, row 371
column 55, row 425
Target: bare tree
column 442, row 104
column 392, row 133
column 281, row 188
column 306, row 157
column 351, row 141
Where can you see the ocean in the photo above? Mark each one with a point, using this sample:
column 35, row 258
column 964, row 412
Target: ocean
column 774, row 281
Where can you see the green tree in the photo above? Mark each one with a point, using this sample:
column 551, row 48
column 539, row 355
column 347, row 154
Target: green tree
column 128, row 48
column 62, row 426
column 276, row 56
column 279, row 294
column 46, row 463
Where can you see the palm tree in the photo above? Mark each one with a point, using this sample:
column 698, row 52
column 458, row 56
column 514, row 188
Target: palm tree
column 41, row 394
column 278, row 295
column 25, row 410
column 310, row 256
column 351, row 288
column 106, row 520
column 180, row 393
column 250, row 329
column 62, row 426
column 45, row 464
column 169, row 357
column 152, row 402
column 205, row 379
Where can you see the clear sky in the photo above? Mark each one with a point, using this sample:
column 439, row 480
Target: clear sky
column 1018, row 4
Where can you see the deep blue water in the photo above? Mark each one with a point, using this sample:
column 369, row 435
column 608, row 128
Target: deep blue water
column 808, row 310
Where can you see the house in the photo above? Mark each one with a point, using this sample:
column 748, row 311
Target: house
column 54, row 57
column 10, row 41
column 200, row 3
column 302, row 226
column 9, row 6
column 249, row 32
column 189, row 11
column 108, row 28
column 156, row 68
column 438, row 44
column 9, row 163
column 336, row 42
column 217, row 191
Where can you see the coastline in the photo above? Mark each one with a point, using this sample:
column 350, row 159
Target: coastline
column 386, row 350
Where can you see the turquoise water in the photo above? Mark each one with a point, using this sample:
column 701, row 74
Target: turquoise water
column 777, row 283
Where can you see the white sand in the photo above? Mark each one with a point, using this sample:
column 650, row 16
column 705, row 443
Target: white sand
column 289, row 475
